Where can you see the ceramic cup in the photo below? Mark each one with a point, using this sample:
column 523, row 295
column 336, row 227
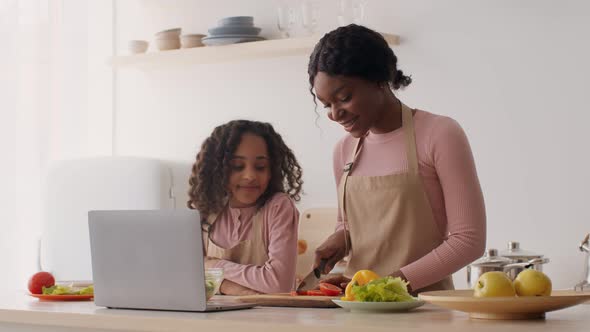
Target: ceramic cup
column 137, row 46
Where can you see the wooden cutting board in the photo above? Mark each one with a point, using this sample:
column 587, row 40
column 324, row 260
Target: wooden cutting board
column 287, row 300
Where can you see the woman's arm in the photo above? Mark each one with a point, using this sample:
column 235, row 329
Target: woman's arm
column 464, row 205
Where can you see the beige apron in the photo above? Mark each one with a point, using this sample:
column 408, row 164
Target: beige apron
column 253, row 251
column 389, row 217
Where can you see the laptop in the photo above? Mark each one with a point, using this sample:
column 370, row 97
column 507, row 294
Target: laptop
column 150, row 259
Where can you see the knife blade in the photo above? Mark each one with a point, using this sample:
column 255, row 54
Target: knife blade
column 313, row 278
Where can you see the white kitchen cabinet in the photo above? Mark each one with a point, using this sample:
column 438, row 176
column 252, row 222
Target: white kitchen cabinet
column 74, row 187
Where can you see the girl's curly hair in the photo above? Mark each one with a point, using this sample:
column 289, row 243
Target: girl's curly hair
column 210, row 173
column 357, row 51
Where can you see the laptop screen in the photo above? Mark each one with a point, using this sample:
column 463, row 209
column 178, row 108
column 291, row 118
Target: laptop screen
column 150, row 259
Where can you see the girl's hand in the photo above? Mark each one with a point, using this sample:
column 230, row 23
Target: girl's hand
column 231, row 288
column 210, row 262
column 332, row 250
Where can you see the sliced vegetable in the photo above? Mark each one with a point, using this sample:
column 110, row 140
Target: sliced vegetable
column 386, row 289
column 87, row 290
column 361, row 278
column 67, row 290
column 330, row 290
column 315, row 292
column 364, row 276
column 348, row 295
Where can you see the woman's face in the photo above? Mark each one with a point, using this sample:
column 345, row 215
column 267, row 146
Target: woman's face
column 250, row 171
column 352, row 102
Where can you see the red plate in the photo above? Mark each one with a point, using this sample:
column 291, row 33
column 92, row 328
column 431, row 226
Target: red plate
column 47, row 297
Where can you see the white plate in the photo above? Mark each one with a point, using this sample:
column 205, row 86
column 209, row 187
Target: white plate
column 226, row 40
column 379, row 306
column 235, row 30
column 231, row 36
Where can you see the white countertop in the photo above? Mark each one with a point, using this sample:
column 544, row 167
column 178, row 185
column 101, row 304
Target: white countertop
column 23, row 309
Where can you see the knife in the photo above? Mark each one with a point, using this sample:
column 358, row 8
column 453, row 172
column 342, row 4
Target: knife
column 313, row 278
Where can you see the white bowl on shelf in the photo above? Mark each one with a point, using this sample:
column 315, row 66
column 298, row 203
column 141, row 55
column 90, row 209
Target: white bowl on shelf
column 170, row 33
column 191, row 40
column 137, row 46
column 168, row 44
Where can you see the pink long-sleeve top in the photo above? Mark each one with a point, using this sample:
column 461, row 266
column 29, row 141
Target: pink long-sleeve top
column 280, row 219
column 447, row 168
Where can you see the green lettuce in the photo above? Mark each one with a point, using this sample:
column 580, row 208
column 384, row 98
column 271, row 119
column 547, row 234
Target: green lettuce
column 386, row 289
column 66, row 290
column 87, row 290
column 209, row 288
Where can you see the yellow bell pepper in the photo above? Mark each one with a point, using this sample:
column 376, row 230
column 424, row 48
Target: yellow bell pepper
column 360, row 278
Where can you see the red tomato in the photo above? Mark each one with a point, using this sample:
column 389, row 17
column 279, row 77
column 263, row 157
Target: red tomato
column 40, row 279
column 330, row 290
column 315, row 292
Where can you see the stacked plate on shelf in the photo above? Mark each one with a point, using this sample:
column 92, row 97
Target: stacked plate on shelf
column 233, row 30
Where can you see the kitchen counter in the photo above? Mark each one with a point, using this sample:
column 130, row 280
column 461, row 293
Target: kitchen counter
column 23, row 313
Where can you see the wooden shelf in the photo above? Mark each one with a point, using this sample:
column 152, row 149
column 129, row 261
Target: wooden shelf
column 228, row 53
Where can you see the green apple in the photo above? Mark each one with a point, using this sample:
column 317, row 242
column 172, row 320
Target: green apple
column 494, row 284
column 532, row 283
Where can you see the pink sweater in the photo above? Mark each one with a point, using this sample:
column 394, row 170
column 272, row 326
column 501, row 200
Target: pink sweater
column 280, row 218
column 448, row 171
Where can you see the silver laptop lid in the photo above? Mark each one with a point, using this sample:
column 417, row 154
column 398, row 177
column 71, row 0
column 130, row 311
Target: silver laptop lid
column 147, row 259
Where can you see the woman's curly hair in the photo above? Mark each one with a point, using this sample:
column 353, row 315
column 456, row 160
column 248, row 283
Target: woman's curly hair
column 211, row 171
column 356, row 51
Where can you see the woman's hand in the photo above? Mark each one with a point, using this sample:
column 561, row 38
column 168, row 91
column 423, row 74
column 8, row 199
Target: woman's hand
column 231, row 288
column 332, row 250
column 338, row 280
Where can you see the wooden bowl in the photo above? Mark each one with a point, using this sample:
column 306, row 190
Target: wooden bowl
column 525, row 307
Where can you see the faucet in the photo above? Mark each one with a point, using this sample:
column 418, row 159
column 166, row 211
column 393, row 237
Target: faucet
column 585, row 247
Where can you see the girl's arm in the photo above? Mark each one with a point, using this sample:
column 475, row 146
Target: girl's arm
column 277, row 274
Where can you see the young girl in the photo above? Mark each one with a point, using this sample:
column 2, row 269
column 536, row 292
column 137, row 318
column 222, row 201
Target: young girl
column 244, row 183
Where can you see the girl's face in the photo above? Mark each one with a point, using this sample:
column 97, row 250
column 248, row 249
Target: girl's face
column 352, row 102
column 250, row 171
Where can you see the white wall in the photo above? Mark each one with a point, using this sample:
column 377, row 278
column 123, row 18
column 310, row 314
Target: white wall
column 8, row 91
column 54, row 88
column 512, row 73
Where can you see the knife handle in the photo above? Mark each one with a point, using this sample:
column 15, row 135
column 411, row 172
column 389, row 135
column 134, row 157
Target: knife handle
column 318, row 270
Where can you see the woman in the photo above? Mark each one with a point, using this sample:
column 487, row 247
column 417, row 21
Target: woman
column 409, row 198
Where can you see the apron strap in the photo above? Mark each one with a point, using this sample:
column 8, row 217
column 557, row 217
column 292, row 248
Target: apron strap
column 341, row 199
column 347, row 169
column 207, row 228
column 410, row 138
column 353, row 155
column 258, row 231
